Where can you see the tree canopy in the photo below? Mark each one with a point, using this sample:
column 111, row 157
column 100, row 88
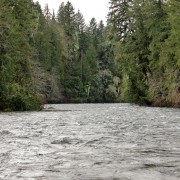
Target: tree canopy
column 48, row 57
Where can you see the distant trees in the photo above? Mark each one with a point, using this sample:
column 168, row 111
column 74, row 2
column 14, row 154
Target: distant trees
column 86, row 57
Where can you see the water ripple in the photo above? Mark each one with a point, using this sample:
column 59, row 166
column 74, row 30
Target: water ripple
column 91, row 142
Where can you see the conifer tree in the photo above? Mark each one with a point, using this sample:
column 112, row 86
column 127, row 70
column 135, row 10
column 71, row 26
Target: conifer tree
column 118, row 17
column 16, row 54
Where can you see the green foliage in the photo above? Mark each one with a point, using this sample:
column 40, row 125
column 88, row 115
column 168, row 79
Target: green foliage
column 16, row 30
column 146, row 47
column 58, row 58
column 24, row 102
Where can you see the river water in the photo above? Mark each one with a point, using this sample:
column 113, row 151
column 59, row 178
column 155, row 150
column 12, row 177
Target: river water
column 91, row 142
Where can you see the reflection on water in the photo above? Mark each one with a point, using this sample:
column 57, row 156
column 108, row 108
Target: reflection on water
column 91, row 142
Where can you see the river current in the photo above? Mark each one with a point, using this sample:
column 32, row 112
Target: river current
column 91, row 142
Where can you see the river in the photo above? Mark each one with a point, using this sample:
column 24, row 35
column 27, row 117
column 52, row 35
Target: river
column 91, row 142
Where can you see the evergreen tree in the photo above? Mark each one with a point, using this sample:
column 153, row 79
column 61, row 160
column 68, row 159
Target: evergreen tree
column 118, row 17
column 67, row 19
column 158, row 30
column 16, row 31
column 170, row 55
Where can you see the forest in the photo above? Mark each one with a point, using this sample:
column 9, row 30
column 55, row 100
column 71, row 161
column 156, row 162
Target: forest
column 58, row 58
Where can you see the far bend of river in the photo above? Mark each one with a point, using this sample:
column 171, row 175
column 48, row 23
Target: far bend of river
column 91, row 142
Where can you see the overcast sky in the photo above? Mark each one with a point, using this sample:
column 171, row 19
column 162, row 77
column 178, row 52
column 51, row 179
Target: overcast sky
column 89, row 8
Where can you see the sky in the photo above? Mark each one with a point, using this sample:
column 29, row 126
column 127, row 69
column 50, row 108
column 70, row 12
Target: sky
column 89, row 8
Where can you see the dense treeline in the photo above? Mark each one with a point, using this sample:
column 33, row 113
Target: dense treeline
column 48, row 57
column 147, row 49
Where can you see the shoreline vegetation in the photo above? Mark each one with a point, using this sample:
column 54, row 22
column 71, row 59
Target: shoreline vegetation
column 57, row 58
